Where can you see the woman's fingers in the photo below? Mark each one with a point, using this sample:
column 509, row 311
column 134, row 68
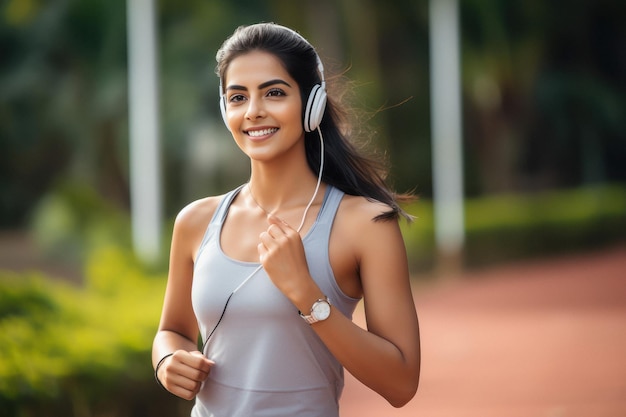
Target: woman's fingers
column 184, row 374
column 202, row 363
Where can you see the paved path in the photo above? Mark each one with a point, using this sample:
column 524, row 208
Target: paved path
column 542, row 339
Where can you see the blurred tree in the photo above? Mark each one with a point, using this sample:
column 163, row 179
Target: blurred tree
column 404, row 91
column 578, row 129
column 544, row 95
column 502, row 44
column 62, row 93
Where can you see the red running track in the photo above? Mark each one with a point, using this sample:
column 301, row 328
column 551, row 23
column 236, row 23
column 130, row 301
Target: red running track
column 541, row 339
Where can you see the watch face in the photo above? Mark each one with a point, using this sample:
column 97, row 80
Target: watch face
column 321, row 310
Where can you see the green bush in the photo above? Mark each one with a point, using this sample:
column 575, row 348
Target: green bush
column 85, row 351
column 512, row 227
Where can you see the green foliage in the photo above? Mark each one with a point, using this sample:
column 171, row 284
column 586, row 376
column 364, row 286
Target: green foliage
column 72, row 219
column 512, row 227
column 66, row 348
column 30, row 363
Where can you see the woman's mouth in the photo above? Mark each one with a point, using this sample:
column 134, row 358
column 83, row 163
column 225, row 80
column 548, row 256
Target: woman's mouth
column 261, row 132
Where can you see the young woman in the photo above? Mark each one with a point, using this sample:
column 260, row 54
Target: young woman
column 269, row 274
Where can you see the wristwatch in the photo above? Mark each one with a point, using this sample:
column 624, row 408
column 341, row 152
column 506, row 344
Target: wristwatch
column 319, row 311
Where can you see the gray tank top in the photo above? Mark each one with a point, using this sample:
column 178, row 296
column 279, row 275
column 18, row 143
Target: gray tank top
column 268, row 361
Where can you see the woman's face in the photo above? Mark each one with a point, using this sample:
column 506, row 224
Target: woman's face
column 263, row 106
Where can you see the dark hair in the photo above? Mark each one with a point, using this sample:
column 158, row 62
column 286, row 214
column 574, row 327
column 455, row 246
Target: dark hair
column 344, row 166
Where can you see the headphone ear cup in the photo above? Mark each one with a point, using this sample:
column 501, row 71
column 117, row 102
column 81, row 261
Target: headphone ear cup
column 223, row 110
column 314, row 112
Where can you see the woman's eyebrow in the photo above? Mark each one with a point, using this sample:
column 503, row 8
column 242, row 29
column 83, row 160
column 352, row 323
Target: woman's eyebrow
column 261, row 86
column 273, row 82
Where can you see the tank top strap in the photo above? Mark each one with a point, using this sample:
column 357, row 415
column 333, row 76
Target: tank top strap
column 329, row 208
column 222, row 209
column 218, row 217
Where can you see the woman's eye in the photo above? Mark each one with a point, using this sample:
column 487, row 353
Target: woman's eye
column 236, row 98
column 275, row 92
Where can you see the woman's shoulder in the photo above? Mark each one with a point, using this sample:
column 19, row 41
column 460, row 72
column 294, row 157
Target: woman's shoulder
column 362, row 209
column 360, row 229
column 198, row 212
column 358, row 216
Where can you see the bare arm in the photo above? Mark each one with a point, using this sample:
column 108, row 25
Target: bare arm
column 183, row 372
column 386, row 356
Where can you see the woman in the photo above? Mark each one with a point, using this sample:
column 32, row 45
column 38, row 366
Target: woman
column 270, row 273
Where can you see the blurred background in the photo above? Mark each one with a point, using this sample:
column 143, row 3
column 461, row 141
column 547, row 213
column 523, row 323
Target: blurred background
column 543, row 99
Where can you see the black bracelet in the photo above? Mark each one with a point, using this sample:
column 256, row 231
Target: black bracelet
column 156, row 370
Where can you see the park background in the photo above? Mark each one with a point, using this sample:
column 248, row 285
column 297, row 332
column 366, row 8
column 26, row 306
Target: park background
column 544, row 151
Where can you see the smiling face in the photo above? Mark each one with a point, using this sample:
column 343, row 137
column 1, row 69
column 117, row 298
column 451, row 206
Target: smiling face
column 263, row 106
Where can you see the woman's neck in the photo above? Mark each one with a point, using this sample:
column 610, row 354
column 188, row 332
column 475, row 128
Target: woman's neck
column 285, row 192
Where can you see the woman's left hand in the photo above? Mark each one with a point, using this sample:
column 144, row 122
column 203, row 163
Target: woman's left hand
column 282, row 255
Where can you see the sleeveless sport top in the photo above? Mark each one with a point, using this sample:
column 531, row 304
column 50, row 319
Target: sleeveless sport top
column 268, row 360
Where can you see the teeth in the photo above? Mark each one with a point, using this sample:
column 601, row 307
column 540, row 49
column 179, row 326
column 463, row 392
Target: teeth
column 257, row 133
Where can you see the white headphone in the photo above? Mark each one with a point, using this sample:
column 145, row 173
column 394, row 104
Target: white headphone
column 316, row 103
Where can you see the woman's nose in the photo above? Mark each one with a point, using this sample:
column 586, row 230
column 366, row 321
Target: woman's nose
column 255, row 109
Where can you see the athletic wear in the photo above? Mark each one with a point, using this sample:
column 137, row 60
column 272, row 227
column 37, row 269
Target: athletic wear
column 268, row 361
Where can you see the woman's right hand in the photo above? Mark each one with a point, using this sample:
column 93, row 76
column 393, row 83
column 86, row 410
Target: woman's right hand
column 183, row 373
